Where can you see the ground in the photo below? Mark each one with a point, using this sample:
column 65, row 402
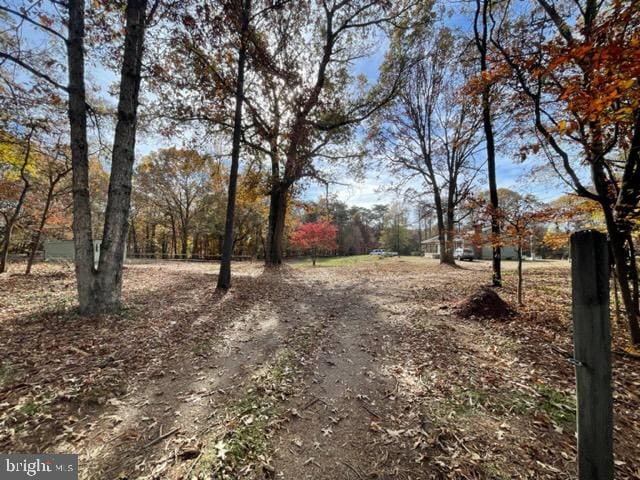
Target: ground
column 358, row 368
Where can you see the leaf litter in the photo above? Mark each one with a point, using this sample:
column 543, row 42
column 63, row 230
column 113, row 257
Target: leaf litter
column 366, row 371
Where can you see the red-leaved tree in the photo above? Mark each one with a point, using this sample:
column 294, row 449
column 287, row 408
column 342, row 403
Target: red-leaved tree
column 314, row 237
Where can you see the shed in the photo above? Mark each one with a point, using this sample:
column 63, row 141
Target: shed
column 56, row 250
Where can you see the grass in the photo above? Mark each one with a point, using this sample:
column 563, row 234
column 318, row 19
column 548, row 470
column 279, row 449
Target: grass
column 499, row 403
column 352, row 260
column 509, row 266
column 557, row 405
column 338, row 261
column 243, row 450
column 30, row 408
column 244, row 444
column 560, row 407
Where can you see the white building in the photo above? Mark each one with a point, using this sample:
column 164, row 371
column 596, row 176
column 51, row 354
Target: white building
column 56, row 250
column 431, row 248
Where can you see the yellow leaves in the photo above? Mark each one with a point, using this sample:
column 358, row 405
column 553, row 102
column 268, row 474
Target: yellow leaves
column 566, row 127
column 562, row 126
column 626, row 84
column 555, row 239
column 12, row 158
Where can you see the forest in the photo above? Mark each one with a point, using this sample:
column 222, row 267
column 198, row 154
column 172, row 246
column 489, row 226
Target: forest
column 233, row 237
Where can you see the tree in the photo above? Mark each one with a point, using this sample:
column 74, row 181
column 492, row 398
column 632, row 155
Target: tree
column 519, row 215
column 304, row 116
column 395, row 235
column 224, row 277
column 29, row 119
column 571, row 213
column 17, row 160
column 354, row 234
column 580, row 82
column 314, row 238
column 481, row 36
column 430, row 130
column 99, row 288
column 220, row 47
column 176, row 182
column 54, row 168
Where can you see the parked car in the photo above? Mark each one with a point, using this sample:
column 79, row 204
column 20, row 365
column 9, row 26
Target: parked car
column 381, row 252
column 464, row 254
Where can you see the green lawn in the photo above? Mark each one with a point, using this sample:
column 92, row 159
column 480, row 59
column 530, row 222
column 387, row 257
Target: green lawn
column 352, row 260
column 339, row 261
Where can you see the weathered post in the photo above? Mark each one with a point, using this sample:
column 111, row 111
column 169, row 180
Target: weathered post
column 592, row 354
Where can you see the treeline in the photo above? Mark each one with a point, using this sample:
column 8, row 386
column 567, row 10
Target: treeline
column 178, row 211
column 360, row 229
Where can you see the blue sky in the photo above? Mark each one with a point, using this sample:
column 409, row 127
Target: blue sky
column 374, row 187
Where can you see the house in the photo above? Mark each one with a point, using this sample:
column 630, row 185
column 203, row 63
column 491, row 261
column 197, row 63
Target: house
column 431, row 248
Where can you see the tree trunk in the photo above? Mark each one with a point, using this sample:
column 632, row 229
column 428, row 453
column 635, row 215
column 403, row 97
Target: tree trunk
column 520, row 293
column 616, row 297
column 134, row 239
column 195, row 249
column 99, row 290
column 119, row 202
column 152, row 240
column 275, row 233
column 82, row 231
column 6, row 241
column 184, row 240
column 447, row 258
column 174, row 237
column 224, row 277
column 446, row 255
column 481, row 38
column 623, row 254
column 38, row 234
column 625, row 266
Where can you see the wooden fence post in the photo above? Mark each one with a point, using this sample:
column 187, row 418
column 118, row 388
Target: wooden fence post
column 592, row 354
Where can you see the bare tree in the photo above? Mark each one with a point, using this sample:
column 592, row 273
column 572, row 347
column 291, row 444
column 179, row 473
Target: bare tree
column 430, row 132
column 306, row 112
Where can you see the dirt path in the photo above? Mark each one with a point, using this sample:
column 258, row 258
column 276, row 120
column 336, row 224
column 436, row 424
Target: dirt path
column 359, row 372
column 346, row 391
